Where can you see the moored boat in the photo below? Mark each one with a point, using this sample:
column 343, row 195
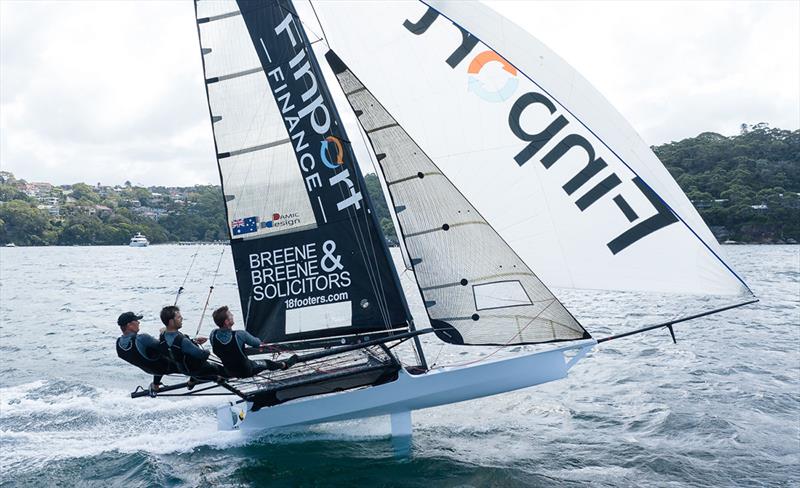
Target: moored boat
column 139, row 240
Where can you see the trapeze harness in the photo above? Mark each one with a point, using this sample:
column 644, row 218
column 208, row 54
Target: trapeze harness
column 129, row 351
column 175, row 353
column 226, row 347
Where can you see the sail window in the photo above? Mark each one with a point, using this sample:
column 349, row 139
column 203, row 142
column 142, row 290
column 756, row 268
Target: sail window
column 501, row 294
column 318, row 317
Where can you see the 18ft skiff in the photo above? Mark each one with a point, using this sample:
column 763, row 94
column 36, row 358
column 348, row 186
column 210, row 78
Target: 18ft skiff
column 506, row 173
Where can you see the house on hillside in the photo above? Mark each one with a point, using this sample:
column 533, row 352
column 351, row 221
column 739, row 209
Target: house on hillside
column 103, row 211
column 52, row 210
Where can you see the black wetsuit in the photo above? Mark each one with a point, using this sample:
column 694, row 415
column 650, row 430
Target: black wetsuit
column 188, row 357
column 142, row 350
column 228, row 345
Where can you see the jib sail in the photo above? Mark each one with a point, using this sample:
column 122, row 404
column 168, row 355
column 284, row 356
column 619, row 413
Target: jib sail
column 476, row 289
column 310, row 259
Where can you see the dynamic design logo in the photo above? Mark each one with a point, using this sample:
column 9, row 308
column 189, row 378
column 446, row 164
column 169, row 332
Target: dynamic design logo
column 281, row 220
column 477, row 87
column 324, row 151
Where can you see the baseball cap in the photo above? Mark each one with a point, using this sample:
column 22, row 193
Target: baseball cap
column 127, row 317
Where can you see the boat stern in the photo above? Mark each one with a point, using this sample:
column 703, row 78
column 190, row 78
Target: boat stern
column 231, row 416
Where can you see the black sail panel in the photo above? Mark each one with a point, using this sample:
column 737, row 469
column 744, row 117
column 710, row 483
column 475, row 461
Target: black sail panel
column 310, row 284
column 310, row 258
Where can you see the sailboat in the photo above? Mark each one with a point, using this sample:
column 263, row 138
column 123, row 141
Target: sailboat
column 508, row 175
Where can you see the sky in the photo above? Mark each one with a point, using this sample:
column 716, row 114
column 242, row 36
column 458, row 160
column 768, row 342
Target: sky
column 104, row 92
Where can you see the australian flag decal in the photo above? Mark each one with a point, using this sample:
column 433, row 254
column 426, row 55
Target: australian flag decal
column 244, row 226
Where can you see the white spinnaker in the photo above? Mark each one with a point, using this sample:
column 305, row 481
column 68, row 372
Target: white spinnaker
column 460, row 116
column 261, row 177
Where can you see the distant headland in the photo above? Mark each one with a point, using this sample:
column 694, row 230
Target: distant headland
column 746, row 187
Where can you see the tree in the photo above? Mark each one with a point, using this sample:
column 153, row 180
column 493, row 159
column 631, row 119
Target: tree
column 24, row 224
column 10, row 192
column 82, row 191
column 746, row 171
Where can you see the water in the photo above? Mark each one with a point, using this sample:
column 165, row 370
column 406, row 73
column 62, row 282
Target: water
column 720, row 408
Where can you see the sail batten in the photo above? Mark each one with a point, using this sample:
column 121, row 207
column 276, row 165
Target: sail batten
column 246, row 72
column 260, row 147
column 218, row 17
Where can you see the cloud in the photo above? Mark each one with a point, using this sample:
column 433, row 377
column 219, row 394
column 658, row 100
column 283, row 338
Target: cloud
column 113, row 91
column 675, row 69
column 103, row 91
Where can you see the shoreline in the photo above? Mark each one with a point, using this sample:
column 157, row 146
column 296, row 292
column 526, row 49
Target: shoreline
column 223, row 243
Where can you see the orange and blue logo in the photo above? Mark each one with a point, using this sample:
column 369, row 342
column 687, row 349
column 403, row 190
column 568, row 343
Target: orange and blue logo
column 476, row 86
column 325, row 152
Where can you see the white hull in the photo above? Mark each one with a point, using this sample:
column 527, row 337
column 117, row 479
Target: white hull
column 139, row 240
column 409, row 392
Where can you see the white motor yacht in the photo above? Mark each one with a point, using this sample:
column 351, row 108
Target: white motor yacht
column 139, row 240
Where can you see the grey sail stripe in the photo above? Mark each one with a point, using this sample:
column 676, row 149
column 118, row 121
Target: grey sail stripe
column 509, row 317
column 218, row 17
column 363, row 88
column 253, row 149
column 439, row 287
column 376, row 129
column 408, row 178
column 246, row 72
column 533, row 319
column 481, row 279
column 437, row 229
column 503, row 275
column 478, row 281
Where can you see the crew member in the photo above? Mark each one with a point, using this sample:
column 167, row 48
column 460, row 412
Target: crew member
column 142, row 350
column 228, row 345
column 185, row 353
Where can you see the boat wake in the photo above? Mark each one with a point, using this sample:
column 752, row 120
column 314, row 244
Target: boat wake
column 44, row 421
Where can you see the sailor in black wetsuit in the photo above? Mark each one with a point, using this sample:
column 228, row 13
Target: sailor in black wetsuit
column 184, row 352
column 228, row 345
column 141, row 350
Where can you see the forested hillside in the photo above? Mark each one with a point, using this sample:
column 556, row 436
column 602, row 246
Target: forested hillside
column 745, row 187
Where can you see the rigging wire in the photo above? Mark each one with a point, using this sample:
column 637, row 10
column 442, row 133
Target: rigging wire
column 210, row 290
column 180, row 290
column 323, row 38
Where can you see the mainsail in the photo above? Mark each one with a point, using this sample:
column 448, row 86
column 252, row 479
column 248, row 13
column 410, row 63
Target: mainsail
column 545, row 161
column 310, row 259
